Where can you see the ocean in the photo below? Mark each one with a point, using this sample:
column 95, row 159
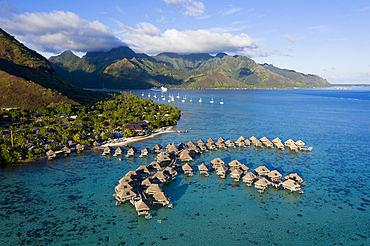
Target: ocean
column 68, row 201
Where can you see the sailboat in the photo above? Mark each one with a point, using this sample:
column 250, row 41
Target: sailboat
column 191, row 99
column 142, row 94
column 148, row 94
column 200, row 100
column 212, row 100
column 222, row 102
column 155, row 95
column 178, row 95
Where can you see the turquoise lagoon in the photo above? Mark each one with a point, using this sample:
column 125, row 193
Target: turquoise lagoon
column 69, row 201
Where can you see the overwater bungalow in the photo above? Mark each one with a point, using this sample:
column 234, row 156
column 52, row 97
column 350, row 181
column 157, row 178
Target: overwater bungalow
column 256, row 143
column 80, row 147
column 299, row 143
column 189, row 144
column 279, row 145
column 153, row 188
column 220, row 143
column 295, row 177
column 161, row 198
column 145, row 152
column 262, row 170
column 171, row 148
column 124, row 195
column 221, row 171
column 200, row 142
column 107, row 150
column 261, row 184
column 234, row 164
column 210, row 145
column 291, row 185
column 305, row 148
column 253, row 138
column 187, row 169
column 249, row 178
column 268, row 144
column 194, row 149
column 235, row 174
column 157, row 148
column 274, row 175
column 51, row 154
column 154, row 166
column 123, row 186
column 247, row 142
column 118, row 151
column 163, row 157
column 141, row 207
column 160, row 176
column 96, row 144
column 202, row 147
column 142, row 170
column 203, row 169
column 185, row 156
column 66, row 150
column 264, row 139
column 229, row 143
column 170, row 171
column 217, row 162
column 240, row 142
column 276, row 140
column 132, row 174
column 131, row 152
column 289, row 142
column 210, row 140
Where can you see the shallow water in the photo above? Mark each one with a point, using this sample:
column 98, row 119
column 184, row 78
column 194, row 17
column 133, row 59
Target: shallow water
column 69, row 201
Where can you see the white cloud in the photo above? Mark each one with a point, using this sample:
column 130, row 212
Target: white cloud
column 120, row 10
column 289, row 38
column 149, row 39
column 58, row 31
column 191, row 7
column 232, row 11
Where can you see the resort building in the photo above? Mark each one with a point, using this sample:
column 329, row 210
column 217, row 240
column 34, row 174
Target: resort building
column 234, row 164
column 229, row 143
column 187, row 169
column 153, row 188
column 274, row 175
column 123, row 186
column 295, row 177
column 249, row 178
column 160, row 176
column 291, row 185
column 142, row 170
column 217, row 162
column 185, row 156
column 203, row 169
column 235, row 174
column 154, row 166
column 145, row 152
column 118, row 151
column 157, row 148
column 221, row 171
column 262, row 170
column 161, row 198
column 261, row 183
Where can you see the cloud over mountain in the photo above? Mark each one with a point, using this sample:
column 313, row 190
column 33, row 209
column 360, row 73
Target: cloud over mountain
column 149, row 39
column 58, row 31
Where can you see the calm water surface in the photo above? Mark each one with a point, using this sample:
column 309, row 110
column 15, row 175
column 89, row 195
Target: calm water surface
column 69, row 201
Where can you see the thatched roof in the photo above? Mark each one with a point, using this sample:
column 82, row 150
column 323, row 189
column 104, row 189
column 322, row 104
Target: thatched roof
column 221, row 169
column 210, row 140
column 193, row 148
column 142, row 169
column 153, row 188
column 181, row 145
column 123, row 186
column 202, row 167
column 146, row 182
column 299, row 143
column 50, row 153
column 249, row 176
column 220, row 139
column 295, row 177
column 107, row 149
column 291, row 184
column 274, row 175
column 154, row 165
column 163, row 156
column 160, row 197
column 160, row 176
column 253, row 138
column 185, row 156
column 262, row 183
column 289, row 142
column 240, row 139
column 234, row 164
column 190, row 143
column 157, row 147
column 264, row 139
column 262, row 170
column 95, row 143
column 145, row 151
column 170, row 170
column 66, row 149
column 131, row 151
column 236, row 172
column 171, row 148
column 217, row 162
column 187, row 167
column 244, row 167
column 131, row 174
column 125, row 179
column 229, row 143
column 200, row 142
column 247, row 142
column 276, row 140
column 140, row 206
column 119, row 151
column 126, row 194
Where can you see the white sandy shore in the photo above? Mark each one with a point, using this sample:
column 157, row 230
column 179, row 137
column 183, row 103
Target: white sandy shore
column 124, row 141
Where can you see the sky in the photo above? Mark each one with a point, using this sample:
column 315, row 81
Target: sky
column 324, row 37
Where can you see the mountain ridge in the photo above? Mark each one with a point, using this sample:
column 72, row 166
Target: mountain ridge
column 122, row 68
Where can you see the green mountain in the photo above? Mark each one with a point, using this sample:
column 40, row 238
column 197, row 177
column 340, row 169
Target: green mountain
column 123, row 68
column 28, row 80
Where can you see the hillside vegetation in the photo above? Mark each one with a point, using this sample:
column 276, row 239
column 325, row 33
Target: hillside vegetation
column 123, row 68
column 27, row 79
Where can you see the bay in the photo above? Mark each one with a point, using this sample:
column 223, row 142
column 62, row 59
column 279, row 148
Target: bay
column 69, row 201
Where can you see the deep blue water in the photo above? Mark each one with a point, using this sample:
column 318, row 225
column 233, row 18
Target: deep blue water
column 69, row 201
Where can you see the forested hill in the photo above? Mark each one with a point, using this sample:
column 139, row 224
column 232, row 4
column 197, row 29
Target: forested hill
column 28, row 80
column 123, row 68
